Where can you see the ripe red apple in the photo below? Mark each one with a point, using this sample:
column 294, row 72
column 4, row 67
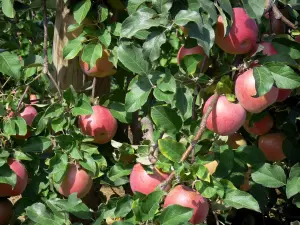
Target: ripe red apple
column 28, row 115
column 242, row 36
column 271, row 146
column 187, row 197
column 6, row 190
column 191, row 51
column 297, row 38
column 245, row 89
column 143, row 182
column 263, row 126
column 283, row 94
column 236, row 140
column 33, row 99
column 75, row 180
column 226, row 118
column 6, row 211
column 268, row 49
column 101, row 125
column 102, row 68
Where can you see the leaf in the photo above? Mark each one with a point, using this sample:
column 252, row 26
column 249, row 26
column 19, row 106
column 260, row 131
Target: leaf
column 8, row 8
column 140, row 88
column 72, row 48
column 150, row 205
column 152, row 46
column 254, row 8
column 124, row 206
column 271, row 176
column 37, row 144
column 206, row 6
column 133, row 5
column 54, row 110
column 263, row 80
column 7, row 176
column 118, row 111
column 59, row 163
column 226, row 6
column 39, row 214
column 117, row 171
column 132, row 58
column 58, row 124
column 9, row 127
column 167, row 83
column 240, row 199
column 21, row 125
column 10, row 64
column 190, row 62
column 284, row 76
column 89, row 163
column 70, row 95
column 292, row 186
column 250, row 154
column 184, row 99
column 175, row 215
column 81, row 9
column 166, row 119
column 103, row 12
column 91, row 53
column 185, row 16
column 162, row 6
column 105, row 38
column 172, row 150
column 140, row 20
column 83, row 107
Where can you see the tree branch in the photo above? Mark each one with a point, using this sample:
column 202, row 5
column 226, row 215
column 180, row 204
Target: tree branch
column 200, row 132
column 22, row 97
column 278, row 15
column 46, row 61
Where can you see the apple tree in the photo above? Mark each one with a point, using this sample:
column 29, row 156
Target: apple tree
column 149, row 112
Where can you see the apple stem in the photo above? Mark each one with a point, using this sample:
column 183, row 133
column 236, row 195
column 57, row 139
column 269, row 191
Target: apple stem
column 279, row 16
column 46, row 61
column 200, row 132
column 22, row 97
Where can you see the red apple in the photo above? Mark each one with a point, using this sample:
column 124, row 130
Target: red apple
column 283, row 94
column 6, row 211
column 187, row 197
column 277, row 26
column 101, row 125
column 245, row 89
column 236, row 140
column 271, row 146
column 263, row 126
column 297, row 38
column 75, row 180
column 268, row 49
column 191, row 51
column 102, row 68
column 226, row 118
column 6, row 190
column 242, row 36
column 33, row 99
column 143, row 182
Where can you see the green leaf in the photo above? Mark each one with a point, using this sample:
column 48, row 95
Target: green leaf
column 184, row 99
column 167, row 97
column 8, row 8
column 226, row 6
column 185, row 16
column 70, row 95
column 9, row 127
column 263, row 80
column 7, row 176
column 118, row 171
column 152, row 46
column 140, row 20
column 37, row 144
column 287, row 46
column 172, row 150
column 162, row 6
column 89, row 163
column 83, row 107
column 206, row 189
column 167, row 83
column 292, row 186
column 58, row 124
column 140, row 88
column 133, row 5
column 240, row 199
column 41, row 215
column 54, row 110
column 59, row 163
column 175, row 215
column 284, row 76
column 124, row 206
column 10, row 64
column 250, row 154
column 118, row 111
column 150, row 205
column 21, row 125
column 254, row 8
column 81, row 9
column 105, row 38
column 91, row 53
column 132, row 58
column 103, row 12
column 190, row 62
column 271, row 176
column 166, row 119
column 206, row 6
column 72, row 48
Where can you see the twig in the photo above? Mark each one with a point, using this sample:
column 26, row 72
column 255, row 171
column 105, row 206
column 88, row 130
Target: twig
column 46, row 62
column 201, row 130
column 94, row 87
column 278, row 15
column 6, row 82
column 214, row 213
column 269, row 4
column 22, row 97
